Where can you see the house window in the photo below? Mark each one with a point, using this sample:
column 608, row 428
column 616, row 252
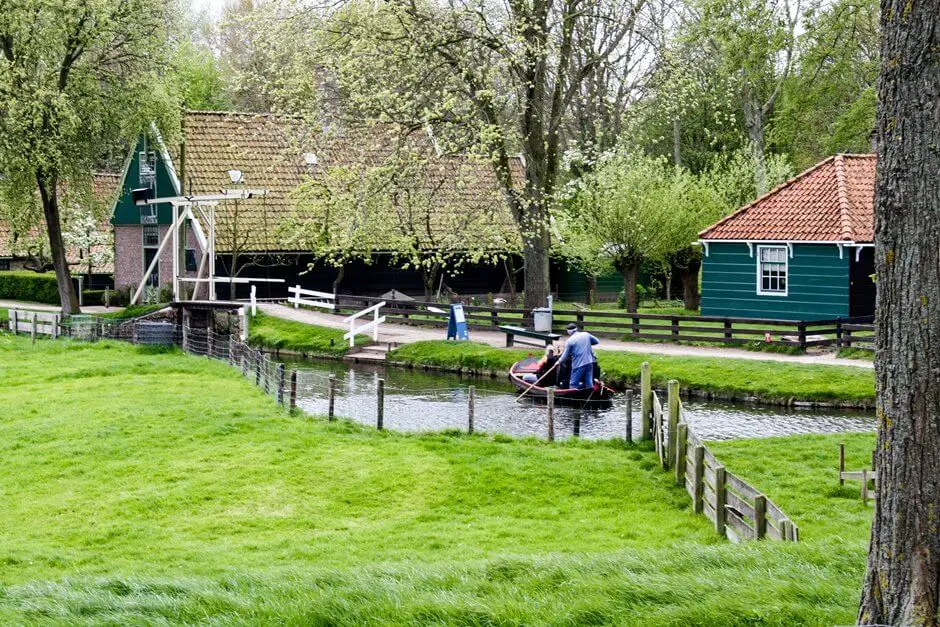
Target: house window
column 148, row 214
column 4, row 264
column 147, row 167
column 772, row 270
column 190, row 260
column 151, row 235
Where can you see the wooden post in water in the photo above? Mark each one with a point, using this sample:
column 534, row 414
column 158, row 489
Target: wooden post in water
column 380, row 405
column 672, row 433
column 646, row 401
column 760, row 515
column 471, row 407
column 841, row 463
column 332, row 406
column 551, row 414
column 698, row 481
column 293, row 389
column 682, row 443
column 720, row 498
column 628, row 435
column 280, row 384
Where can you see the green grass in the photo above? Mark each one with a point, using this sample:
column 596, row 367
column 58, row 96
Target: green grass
column 276, row 333
column 132, row 311
column 857, row 353
column 147, row 486
column 769, row 380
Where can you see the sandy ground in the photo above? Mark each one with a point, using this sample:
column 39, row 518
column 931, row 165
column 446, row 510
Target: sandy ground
column 16, row 304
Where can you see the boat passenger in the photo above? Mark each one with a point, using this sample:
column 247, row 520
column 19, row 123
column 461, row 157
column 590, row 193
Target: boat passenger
column 545, row 370
column 579, row 348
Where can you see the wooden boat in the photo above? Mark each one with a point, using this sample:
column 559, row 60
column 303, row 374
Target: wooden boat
column 600, row 393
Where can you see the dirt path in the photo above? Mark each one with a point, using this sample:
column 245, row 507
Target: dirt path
column 18, row 304
column 404, row 334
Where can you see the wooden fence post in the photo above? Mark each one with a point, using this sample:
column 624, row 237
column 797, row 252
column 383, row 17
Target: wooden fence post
column 56, row 320
column 14, row 321
column 267, row 374
column 720, row 498
column 801, row 328
column 728, row 334
column 244, row 365
column 698, row 482
column 839, row 331
column 675, row 328
column 629, row 409
column 380, row 405
column 865, row 487
column 258, row 369
column 646, row 401
column 760, row 515
column 330, row 412
column 293, row 389
column 210, row 343
column 841, row 463
column 32, row 333
column 471, row 407
column 231, row 351
column 673, row 401
column 280, row 384
column 551, row 414
column 682, row 443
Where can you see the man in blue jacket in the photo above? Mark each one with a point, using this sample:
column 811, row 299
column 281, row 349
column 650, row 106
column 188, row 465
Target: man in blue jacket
column 579, row 349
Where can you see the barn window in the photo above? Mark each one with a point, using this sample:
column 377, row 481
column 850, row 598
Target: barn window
column 772, row 267
column 151, row 235
column 147, row 168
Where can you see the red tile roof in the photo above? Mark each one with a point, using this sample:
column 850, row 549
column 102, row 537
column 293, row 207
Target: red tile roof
column 832, row 201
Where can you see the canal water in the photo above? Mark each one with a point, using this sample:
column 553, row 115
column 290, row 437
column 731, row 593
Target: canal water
column 416, row 400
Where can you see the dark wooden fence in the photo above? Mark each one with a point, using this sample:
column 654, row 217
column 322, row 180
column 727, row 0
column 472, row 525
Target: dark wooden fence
column 637, row 326
column 736, row 509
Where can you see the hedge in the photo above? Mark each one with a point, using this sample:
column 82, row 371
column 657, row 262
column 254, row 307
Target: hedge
column 29, row 286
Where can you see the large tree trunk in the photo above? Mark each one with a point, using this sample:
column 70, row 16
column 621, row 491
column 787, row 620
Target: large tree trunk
column 754, row 123
column 902, row 585
column 50, row 208
column 690, row 294
column 537, row 284
column 339, row 279
column 429, row 279
column 630, row 271
column 591, row 282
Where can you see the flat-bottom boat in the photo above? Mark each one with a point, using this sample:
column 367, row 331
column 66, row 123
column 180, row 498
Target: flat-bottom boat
column 600, row 393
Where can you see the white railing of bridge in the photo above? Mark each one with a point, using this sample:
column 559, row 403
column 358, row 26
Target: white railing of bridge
column 369, row 326
column 323, row 300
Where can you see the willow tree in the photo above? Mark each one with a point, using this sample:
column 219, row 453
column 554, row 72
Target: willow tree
column 902, row 586
column 76, row 76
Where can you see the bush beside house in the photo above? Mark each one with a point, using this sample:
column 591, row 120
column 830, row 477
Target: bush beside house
column 29, row 286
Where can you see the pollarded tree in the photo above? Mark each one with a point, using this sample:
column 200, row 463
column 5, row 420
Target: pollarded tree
column 902, row 586
column 75, row 77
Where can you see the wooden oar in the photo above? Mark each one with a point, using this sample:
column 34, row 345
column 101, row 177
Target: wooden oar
column 538, row 381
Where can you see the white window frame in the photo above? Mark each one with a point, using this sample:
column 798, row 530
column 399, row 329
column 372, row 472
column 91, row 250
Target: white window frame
column 146, row 167
column 786, row 270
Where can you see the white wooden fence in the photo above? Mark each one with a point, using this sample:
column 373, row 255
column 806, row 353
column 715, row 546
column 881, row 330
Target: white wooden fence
column 369, row 326
column 34, row 322
column 323, row 300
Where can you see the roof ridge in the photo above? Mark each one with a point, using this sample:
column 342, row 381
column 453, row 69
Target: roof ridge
column 842, row 193
column 773, row 191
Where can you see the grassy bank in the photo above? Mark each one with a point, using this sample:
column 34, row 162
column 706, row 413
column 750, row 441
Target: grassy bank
column 272, row 333
column 149, row 487
column 769, row 381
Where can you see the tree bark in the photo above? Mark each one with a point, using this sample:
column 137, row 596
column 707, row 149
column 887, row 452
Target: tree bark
column 591, row 281
column 429, row 279
column 50, row 208
column 902, row 584
column 339, row 279
column 754, row 123
column 690, row 294
column 629, row 286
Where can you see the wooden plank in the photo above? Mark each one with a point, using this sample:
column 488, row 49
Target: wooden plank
column 709, row 474
column 709, row 511
column 854, row 475
column 740, row 487
column 733, row 537
column 774, row 513
column 740, row 526
column 710, row 459
column 689, row 485
column 772, row 532
column 709, row 496
column 736, row 502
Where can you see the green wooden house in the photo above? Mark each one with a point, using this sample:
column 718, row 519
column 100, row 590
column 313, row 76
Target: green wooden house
column 803, row 251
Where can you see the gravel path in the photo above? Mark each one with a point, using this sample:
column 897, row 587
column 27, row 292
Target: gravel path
column 404, row 334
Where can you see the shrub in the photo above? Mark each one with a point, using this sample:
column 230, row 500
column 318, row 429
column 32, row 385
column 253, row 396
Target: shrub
column 29, row 286
column 640, row 295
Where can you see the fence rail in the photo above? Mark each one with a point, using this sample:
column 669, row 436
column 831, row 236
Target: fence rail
column 635, row 326
column 736, row 509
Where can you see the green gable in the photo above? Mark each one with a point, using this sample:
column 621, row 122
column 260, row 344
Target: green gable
column 817, row 283
column 125, row 211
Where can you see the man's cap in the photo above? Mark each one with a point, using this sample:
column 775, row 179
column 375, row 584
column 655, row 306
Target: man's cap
column 572, row 326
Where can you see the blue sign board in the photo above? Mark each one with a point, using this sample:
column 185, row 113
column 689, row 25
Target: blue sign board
column 457, row 325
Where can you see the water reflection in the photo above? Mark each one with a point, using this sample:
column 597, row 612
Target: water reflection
column 422, row 401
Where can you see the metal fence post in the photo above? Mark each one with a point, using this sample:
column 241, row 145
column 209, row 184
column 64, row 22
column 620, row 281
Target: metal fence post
column 646, row 401
column 628, row 435
column 332, row 405
column 551, row 414
column 380, row 405
column 471, row 407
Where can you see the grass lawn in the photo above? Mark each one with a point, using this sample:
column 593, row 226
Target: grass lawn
column 769, row 380
column 154, row 487
column 132, row 311
column 276, row 333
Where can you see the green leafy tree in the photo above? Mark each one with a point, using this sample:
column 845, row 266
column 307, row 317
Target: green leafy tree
column 75, row 75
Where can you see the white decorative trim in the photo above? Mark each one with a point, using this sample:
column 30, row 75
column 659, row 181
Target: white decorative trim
column 841, row 247
column 761, row 292
column 750, row 248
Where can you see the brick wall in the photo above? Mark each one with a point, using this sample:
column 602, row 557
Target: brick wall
column 129, row 255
